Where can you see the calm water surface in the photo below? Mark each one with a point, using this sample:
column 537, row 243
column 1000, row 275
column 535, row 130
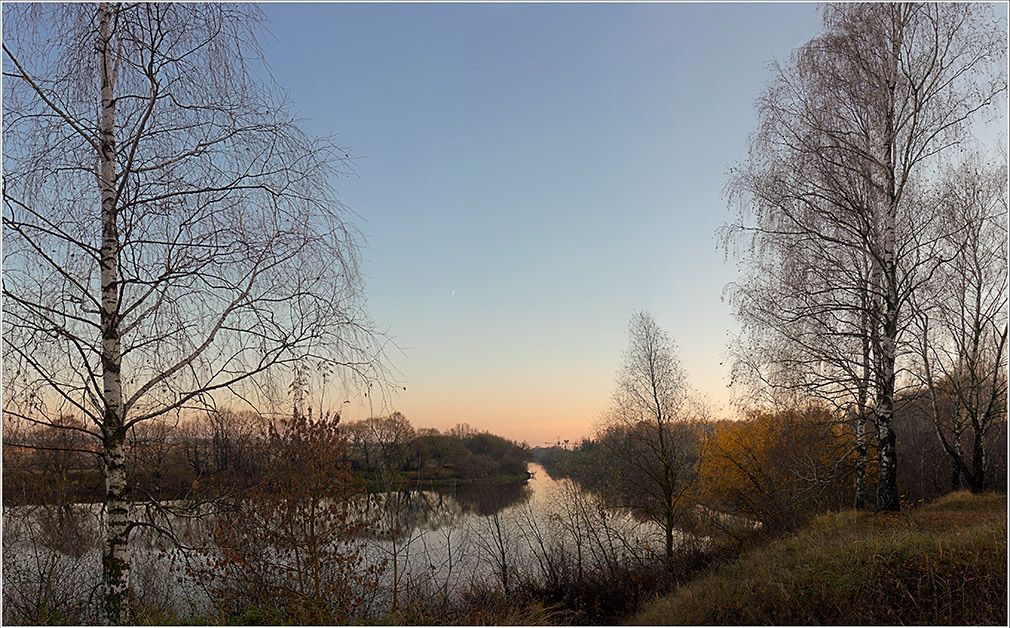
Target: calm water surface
column 433, row 542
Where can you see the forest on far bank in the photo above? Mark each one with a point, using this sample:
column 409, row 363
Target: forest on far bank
column 215, row 453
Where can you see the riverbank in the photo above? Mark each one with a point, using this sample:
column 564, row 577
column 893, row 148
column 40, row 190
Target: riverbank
column 551, row 554
column 942, row 564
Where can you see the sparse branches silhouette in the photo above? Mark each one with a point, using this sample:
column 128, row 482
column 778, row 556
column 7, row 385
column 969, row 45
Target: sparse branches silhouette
column 652, row 431
column 170, row 234
column 834, row 220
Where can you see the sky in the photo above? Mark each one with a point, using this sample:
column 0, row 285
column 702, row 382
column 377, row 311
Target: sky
column 526, row 177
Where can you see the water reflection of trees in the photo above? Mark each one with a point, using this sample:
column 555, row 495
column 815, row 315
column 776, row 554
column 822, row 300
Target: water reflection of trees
column 487, row 498
column 407, row 510
column 430, row 547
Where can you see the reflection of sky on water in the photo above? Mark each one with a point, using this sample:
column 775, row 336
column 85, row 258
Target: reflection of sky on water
column 444, row 542
column 434, row 543
column 430, row 510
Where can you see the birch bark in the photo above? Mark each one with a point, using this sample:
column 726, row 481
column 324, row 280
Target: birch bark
column 887, row 484
column 116, row 555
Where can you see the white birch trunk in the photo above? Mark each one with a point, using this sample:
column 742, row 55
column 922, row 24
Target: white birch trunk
column 115, row 557
column 887, row 484
column 887, row 489
column 955, row 479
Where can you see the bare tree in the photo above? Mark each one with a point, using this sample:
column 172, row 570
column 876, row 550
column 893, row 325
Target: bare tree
column 961, row 319
column 170, row 234
column 847, row 131
column 651, row 429
column 381, row 445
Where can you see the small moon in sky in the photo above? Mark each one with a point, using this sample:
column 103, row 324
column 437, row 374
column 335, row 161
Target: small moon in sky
column 452, row 293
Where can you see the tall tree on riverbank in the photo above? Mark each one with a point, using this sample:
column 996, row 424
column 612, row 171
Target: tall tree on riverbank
column 848, row 130
column 170, row 234
column 651, row 431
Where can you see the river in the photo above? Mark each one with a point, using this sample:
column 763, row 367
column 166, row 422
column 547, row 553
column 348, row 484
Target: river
column 434, row 544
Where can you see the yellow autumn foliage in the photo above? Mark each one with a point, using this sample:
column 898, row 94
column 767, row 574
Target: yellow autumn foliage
column 778, row 468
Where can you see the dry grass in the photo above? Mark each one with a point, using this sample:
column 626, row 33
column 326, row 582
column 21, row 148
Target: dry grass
column 944, row 563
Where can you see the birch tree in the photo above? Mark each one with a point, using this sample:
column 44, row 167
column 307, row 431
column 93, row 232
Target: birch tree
column 171, row 237
column 848, row 130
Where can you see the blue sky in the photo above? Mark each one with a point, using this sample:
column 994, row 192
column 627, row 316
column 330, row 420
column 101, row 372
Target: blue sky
column 529, row 175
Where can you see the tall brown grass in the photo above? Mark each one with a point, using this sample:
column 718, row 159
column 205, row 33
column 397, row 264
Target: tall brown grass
column 941, row 564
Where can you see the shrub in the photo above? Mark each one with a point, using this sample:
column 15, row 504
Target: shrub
column 290, row 549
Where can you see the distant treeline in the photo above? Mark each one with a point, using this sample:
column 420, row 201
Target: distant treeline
column 224, row 450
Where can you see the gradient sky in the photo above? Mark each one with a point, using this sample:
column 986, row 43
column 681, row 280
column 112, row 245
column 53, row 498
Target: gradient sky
column 529, row 175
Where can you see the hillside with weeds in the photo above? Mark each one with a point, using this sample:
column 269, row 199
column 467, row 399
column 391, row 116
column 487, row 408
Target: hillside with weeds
column 941, row 564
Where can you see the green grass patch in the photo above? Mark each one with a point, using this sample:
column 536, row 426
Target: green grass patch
column 944, row 563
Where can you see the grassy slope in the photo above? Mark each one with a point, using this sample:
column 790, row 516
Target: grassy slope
column 944, row 563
